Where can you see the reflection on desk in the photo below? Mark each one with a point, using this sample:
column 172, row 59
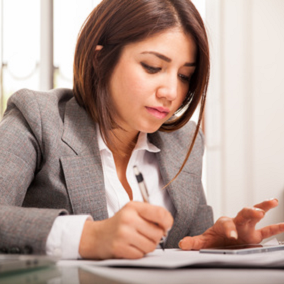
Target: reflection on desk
column 55, row 275
column 112, row 275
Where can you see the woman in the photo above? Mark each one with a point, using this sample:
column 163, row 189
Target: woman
column 140, row 70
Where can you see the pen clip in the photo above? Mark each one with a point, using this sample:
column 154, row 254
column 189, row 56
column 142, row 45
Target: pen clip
column 141, row 183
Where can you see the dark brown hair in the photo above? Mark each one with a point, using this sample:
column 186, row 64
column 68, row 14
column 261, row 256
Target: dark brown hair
column 116, row 23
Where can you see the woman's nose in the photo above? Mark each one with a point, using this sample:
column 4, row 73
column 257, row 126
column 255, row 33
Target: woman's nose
column 168, row 89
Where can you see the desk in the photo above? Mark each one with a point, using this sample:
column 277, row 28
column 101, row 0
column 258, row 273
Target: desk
column 109, row 275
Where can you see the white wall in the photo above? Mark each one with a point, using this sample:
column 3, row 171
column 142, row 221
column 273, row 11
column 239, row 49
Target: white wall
column 245, row 110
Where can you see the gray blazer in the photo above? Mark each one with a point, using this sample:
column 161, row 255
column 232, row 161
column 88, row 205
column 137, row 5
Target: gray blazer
column 50, row 165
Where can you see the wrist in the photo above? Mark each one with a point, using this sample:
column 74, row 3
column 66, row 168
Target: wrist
column 89, row 246
column 86, row 241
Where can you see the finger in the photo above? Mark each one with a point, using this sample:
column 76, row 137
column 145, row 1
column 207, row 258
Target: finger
column 133, row 253
column 130, row 218
column 225, row 228
column 150, row 230
column 128, row 236
column 192, row 243
column 249, row 216
column 155, row 214
column 143, row 243
column 128, row 251
column 267, row 204
column 272, row 230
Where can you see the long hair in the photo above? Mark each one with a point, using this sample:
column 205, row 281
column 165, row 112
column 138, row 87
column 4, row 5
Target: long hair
column 116, row 23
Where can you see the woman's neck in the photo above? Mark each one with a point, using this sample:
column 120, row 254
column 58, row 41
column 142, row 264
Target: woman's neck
column 124, row 142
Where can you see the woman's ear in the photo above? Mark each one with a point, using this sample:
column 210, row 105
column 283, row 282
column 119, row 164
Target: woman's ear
column 99, row 47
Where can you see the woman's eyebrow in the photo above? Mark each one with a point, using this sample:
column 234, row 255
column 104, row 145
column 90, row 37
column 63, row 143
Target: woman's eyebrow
column 165, row 58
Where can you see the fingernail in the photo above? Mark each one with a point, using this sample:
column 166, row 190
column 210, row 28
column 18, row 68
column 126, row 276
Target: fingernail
column 259, row 210
column 234, row 235
column 180, row 243
column 272, row 199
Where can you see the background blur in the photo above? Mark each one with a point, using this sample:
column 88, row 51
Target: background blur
column 244, row 120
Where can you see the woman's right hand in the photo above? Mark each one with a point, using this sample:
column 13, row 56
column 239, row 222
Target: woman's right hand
column 131, row 233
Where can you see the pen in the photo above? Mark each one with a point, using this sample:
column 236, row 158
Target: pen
column 144, row 192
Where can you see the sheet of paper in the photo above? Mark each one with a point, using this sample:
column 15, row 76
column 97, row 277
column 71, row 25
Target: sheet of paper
column 175, row 258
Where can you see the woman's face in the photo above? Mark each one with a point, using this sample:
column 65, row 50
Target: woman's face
column 151, row 80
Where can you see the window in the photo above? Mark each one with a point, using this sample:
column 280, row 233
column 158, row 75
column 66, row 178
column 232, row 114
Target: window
column 66, row 28
column 21, row 42
column 20, row 26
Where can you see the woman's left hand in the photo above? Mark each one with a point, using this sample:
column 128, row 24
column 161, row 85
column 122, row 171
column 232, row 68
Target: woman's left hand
column 239, row 230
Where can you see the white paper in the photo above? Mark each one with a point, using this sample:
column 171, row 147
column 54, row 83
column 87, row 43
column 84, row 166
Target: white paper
column 175, row 258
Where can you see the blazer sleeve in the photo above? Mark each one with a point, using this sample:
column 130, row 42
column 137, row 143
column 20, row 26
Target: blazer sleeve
column 20, row 159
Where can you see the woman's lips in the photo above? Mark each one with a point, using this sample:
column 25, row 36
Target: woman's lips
column 158, row 112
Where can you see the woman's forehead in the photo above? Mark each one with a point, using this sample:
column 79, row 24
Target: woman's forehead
column 172, row 43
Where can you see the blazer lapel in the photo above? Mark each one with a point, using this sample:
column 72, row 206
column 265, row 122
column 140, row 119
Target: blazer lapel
column 82, row 168
column 170, row 159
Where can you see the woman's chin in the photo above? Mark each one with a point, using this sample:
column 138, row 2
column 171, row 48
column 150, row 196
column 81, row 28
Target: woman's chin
column 150, row 129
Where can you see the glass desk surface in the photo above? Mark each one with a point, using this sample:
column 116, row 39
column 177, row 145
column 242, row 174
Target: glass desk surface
column 115, row 275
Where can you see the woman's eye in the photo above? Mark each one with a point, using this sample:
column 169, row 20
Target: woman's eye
column 184, row 78
column 151, row 69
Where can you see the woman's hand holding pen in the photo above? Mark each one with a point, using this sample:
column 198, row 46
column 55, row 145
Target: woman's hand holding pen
column 239, row 230
column 130, row 233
